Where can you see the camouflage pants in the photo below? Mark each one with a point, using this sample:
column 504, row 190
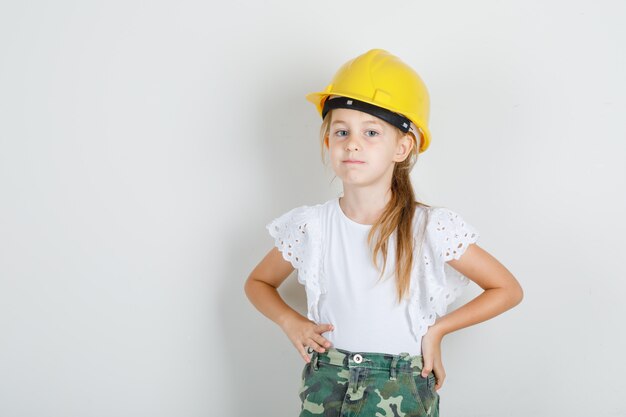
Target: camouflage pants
column 348, row 384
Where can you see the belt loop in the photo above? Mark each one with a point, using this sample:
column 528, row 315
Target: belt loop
column 314, row 358
column 392, row 368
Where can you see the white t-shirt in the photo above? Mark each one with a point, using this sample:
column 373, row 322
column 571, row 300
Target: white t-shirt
column 334, row 263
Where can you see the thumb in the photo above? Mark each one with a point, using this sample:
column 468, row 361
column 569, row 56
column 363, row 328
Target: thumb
column 428, row 366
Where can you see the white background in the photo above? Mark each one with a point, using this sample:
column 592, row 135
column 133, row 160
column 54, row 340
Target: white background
column 145, row 145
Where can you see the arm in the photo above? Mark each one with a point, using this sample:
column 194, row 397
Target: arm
column 261, row 289
column 501, row 292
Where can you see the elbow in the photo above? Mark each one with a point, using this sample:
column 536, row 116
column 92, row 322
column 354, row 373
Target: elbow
column 516, row 294
column 254, row 284
column 247, row 286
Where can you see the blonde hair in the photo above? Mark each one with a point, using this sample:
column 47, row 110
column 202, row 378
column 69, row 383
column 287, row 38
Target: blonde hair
column 397, row 216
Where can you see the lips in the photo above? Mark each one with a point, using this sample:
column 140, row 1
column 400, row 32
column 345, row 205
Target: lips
column 353, row 161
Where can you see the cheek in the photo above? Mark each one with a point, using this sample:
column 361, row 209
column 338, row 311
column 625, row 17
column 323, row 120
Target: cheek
column 335, row 157
column 334, row 151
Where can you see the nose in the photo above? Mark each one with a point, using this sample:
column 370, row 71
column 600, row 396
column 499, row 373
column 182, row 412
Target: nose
column 352, row 145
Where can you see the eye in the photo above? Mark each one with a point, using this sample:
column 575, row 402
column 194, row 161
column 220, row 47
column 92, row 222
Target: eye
column 373, row 133
column 339, row 133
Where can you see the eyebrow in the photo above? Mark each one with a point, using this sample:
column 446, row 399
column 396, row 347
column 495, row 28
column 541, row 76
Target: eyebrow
column 372, row 121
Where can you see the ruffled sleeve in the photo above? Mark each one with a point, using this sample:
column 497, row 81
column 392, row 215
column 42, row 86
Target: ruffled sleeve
column 297, row 235
column 437, row 284
column 453, row 234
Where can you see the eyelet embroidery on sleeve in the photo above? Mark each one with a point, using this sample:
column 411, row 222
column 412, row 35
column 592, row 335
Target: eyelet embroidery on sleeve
column 455, row 234
column 289, row 241
column 436, row 284
column 297, row 236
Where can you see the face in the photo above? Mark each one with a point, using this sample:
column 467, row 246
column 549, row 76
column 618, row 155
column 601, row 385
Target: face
column 363, row 149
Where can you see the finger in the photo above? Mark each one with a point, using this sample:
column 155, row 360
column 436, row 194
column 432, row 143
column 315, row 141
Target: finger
column 322, row 328
column 314, row 345
column 305, row 356
column 438, row 384
column 439, row 380
column 322, row 341
column 440, row 376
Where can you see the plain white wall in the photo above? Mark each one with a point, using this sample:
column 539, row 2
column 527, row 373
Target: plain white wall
column 145, row 145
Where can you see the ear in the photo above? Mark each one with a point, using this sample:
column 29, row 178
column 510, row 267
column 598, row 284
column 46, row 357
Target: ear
column 403, row 148
column 326, row 142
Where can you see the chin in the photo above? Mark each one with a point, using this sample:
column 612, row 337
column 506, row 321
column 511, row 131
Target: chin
column 350, row 180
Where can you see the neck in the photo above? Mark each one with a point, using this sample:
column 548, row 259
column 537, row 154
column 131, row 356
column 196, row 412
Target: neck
column 364, row 204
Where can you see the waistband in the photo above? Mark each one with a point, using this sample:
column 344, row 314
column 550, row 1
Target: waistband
column 374, row 360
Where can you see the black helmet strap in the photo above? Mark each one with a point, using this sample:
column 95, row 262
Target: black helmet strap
column 388, row 116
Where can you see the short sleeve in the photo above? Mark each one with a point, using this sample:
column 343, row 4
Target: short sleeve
column 438, row 284
column 453, row 234
column 296, row 235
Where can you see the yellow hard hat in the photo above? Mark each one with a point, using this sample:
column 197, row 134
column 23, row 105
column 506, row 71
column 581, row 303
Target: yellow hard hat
column 380, row 79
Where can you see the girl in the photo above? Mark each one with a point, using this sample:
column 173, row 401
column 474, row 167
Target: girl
column 378, row 266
